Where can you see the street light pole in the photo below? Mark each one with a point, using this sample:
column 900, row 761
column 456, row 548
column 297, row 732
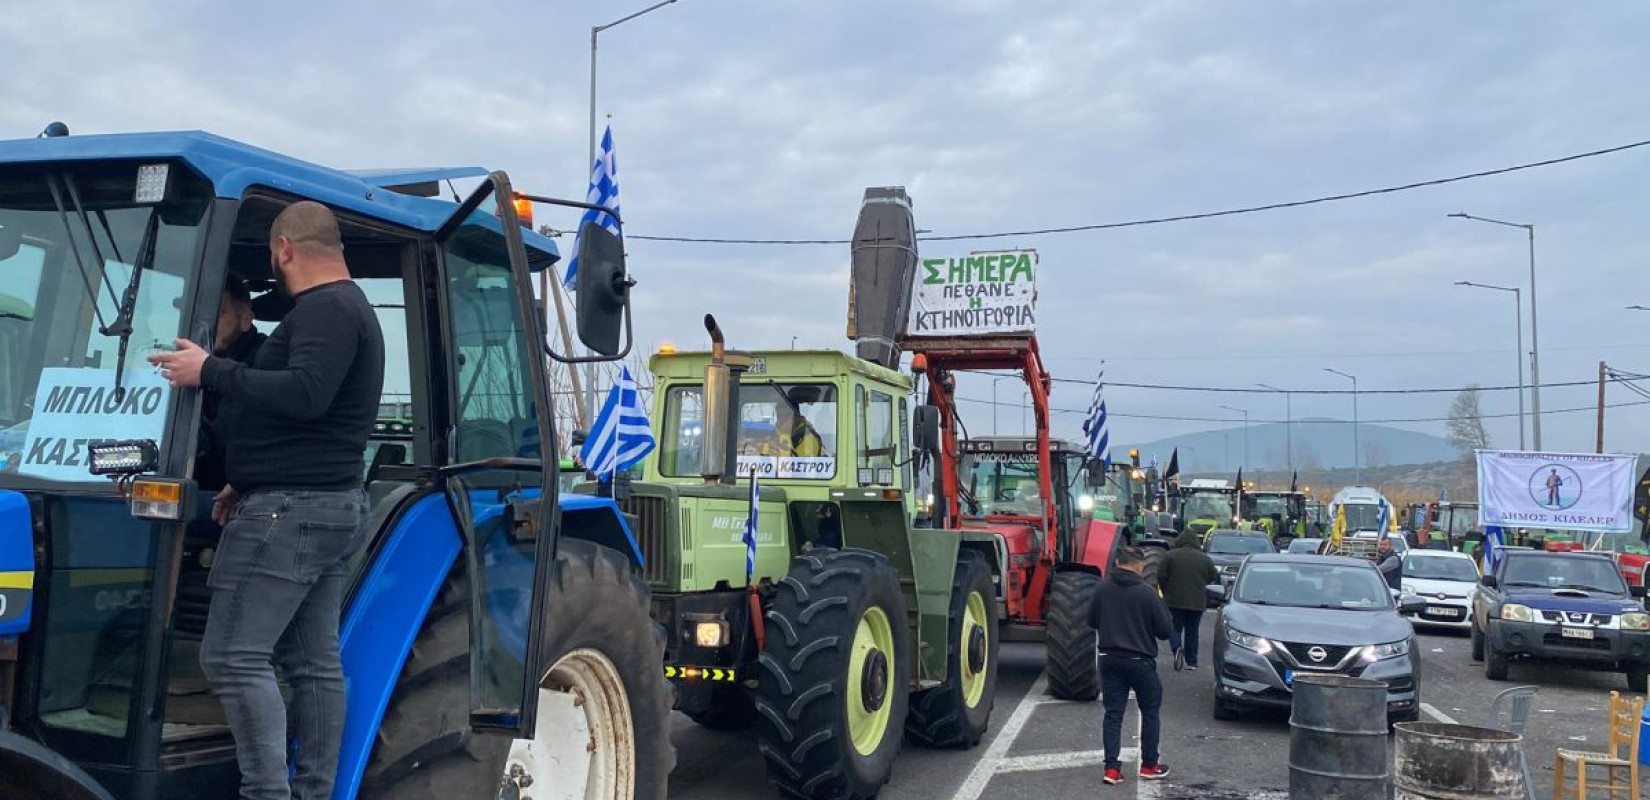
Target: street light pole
column 590, row 162
column 1518, row 322
column 994, row 382
column 1535, row 345
column 1357, row 457
column 1245, row 432
column 1288, row 424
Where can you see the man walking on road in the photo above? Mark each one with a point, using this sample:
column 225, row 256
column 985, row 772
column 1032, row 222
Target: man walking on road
column 1130, row 620
column 1182, row 574
column 294, row 510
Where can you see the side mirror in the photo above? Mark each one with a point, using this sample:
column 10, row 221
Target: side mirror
column 1410, row 604
column 1095, row 472
column 11, row 241
column 926, row 429
column 1215, row 593
column 1636, row 591
column 603, row 289
column 1488, row 581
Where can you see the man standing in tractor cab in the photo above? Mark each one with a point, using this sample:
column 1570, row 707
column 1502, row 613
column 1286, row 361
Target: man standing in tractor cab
column 1134, row 620
column 236, row 339
column 294, row 510
column 1182, row 574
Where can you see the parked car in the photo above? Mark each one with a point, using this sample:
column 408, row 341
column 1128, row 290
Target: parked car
column 1228, row 548
column 1287, row 616
column 1305, row 547
column 1447, row 581
column 1571, row 608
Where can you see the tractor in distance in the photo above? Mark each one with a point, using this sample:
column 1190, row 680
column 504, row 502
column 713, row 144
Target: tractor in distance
column 495, row 636
column 1281, row 513
column 1203, row 504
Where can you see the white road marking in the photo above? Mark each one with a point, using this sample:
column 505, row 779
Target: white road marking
column 1047, row 761
column 974, row 785
column 1432, row 711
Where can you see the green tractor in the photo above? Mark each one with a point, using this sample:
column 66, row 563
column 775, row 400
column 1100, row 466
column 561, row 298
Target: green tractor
column 1203, row 504
column 848, row 627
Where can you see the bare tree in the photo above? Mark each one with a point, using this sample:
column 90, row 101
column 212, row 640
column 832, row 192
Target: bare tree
column 1466, row 423
column 1374, row 454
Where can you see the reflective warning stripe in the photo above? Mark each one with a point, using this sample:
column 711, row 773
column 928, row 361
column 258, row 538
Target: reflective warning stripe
column 16, row 580
column 689, row 673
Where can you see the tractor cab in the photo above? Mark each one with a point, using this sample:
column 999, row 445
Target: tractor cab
column 1203, row 504
column 1279, row 513
column 113, row 246
column 1000, row 485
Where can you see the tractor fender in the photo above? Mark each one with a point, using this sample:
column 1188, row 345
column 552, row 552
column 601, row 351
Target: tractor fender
column 1099, row 544
column 598, row 520
column 30, row 770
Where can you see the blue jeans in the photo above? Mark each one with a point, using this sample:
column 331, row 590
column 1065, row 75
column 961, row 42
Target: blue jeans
column 277, row 587
column 1118, row 675
column 1185, row 632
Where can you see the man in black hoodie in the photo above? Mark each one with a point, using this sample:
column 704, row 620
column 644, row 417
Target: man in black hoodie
column 1130, row 619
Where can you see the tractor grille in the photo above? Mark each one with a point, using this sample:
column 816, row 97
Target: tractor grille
column 650, row 526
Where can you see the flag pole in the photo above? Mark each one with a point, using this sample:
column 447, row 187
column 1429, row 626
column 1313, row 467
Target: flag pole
column 758, row 625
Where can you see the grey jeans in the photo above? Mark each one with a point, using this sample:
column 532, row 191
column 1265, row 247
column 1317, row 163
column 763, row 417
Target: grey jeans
column 277, row 586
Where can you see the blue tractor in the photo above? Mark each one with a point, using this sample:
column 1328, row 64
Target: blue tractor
column 495, row 636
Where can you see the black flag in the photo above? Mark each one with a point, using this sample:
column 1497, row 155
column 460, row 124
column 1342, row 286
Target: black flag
column 1641, row 505
column 1172, row 474
column 1294, row 481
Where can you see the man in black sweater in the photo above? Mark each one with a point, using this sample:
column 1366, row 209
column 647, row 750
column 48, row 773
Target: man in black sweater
column 1130, row 619
column 295, row 423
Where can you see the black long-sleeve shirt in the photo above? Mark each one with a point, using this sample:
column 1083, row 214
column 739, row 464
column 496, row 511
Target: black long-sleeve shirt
column 299, row 416
column 1129, row 616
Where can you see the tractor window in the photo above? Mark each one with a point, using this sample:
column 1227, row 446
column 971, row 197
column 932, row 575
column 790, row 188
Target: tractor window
column 495, row 395
column 785, row 430
column 1003, row 484
column 874, row 418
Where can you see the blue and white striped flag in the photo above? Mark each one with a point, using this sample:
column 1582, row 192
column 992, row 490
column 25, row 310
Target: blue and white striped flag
column 749, row 537
column 1494, row 539
column 1383, row 517
column 1094, row 426
column 604, row 191
column 621, row 436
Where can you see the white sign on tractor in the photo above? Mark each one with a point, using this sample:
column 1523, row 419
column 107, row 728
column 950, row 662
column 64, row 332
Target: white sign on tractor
column 977, row 294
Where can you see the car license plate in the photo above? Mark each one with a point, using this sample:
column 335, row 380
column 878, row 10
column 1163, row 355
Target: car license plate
column 1288, row 677
column 1444, row 611
column 1576, row 633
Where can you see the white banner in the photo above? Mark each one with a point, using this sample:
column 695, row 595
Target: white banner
column 1561, row 491
column 981, row 293
column 74, row 406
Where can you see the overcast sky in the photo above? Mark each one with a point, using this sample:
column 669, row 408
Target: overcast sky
column 743, row 118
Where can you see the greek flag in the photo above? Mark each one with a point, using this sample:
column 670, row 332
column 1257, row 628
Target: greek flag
column 604, row 191
column 620, row 437
column 749, row 537
column 1494, row 539
column 1383, row 520
column 1094, row 427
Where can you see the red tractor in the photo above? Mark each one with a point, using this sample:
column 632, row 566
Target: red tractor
column 1023, row 499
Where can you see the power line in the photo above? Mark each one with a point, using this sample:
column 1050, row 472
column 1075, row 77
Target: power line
column 1177, row 218
column 1256, row 390
column 1308, row 421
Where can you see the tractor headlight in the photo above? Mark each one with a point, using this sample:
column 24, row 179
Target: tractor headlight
column 1249, row 641
column 1513, row 612
column 712, row 634
column 1085, row 503
column 1378, row 652
column 1635, row 621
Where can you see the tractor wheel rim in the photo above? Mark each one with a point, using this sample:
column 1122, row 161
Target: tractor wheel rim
column 583, row 746
column 869, row 669
column 976, row 650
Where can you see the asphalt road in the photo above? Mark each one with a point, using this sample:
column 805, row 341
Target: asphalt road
column 1039, row 747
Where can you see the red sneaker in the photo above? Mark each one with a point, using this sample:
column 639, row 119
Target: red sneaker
column 1113, row 777
column 1155, row 772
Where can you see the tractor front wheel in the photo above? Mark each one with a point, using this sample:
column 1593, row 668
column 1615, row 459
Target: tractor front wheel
column 1073, row 660
column 835, row 677
column 956, row 713
column 603, row 706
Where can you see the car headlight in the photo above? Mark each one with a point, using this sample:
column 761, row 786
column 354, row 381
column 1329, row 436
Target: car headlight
column 1249, row 641
column 1378, row 652
column 1513, row 612
column 1635, row 621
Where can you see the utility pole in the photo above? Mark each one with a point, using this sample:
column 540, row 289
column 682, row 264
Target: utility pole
column 1602, row 370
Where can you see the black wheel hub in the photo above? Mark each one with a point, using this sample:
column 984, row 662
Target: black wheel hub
column 873, row 681
column 976, row 649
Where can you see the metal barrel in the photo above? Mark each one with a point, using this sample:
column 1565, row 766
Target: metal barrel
column 1435, row 761
column 1337, row 739
column 884, row 267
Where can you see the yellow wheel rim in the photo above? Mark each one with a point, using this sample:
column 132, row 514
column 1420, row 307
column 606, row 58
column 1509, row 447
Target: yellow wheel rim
column 974, row 630
column 870, row 672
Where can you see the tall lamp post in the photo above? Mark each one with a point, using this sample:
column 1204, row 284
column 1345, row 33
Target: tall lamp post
column 994, row 382
column 1245, row 433
column 589, row 162
column 1357, row 457
column 1288, row 424
column 1518, row 319
column 1535, row 345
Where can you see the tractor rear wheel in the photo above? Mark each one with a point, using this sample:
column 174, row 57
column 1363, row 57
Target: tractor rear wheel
column 835, row 676
column 1073, row 661
column 956, row 713
column 603, row 702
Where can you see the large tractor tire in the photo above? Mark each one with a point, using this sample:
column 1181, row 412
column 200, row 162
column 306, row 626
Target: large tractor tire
column 1073, row 660
column 1154, row 560
column 835, row 677
column 957, row 713
column 604, row 706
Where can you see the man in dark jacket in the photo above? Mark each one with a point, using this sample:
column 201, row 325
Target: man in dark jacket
column 1182, row 574
column 1130, row 619
column 1389, row 563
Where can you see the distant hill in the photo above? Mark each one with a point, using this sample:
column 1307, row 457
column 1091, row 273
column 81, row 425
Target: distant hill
column 1319, row 443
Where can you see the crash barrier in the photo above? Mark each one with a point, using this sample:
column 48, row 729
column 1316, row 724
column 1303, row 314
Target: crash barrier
column 1437, row 761
column 1337, row 739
